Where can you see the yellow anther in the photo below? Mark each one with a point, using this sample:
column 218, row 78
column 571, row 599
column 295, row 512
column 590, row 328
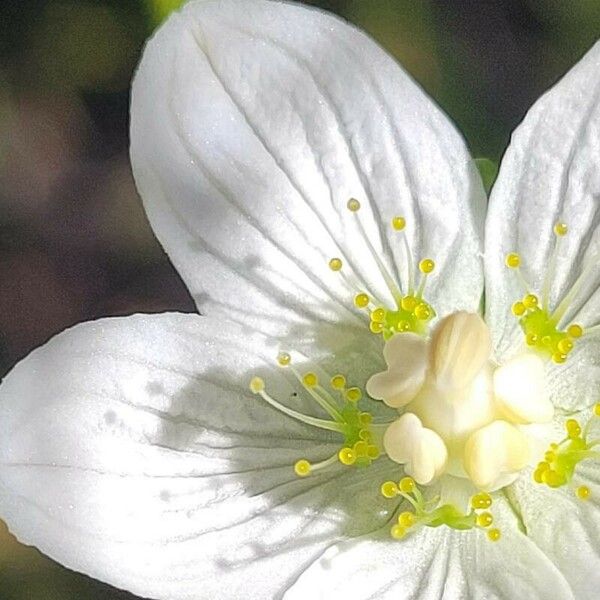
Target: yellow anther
column 565, row 346
column 378, row 315
column 422, row 312
column 494, row 535
column 481, row 500
column 389, row 489
column 360, row 449
column 335, row 264
column 302, row 468
column 347, row 456
column 353, row 205
column 552, row 478
column 559, row 358
column 310, row 380
column 407, row 485
column 530, row 301
column 573, row 428
column 531, row 339
column 518, row 309
column 513, row 260
column 284, row 359
column 485, row 519
column 398, row 223
column 365, row 418
column 561, row 229
column 575, row 331
column 361, row 300
column 406, row 519
column 597, row 409
column 375, row 327
column 426, row 266
column 257, row 385
column 398, row 532
column 408, row 303
column 338, row 382
column 373, row 452
column 353, row 394
column 583, row 492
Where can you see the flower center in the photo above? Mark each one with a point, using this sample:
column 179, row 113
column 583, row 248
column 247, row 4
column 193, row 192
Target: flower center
column 461, row 414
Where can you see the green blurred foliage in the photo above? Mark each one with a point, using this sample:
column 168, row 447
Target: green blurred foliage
column 70, row 221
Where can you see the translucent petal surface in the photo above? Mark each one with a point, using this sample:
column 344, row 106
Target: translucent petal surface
column 253, row 123
column 566, row 529
column 549, row 175
column 132, row 450
column 434, row 564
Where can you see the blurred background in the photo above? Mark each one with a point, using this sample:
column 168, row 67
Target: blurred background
column 74, row 241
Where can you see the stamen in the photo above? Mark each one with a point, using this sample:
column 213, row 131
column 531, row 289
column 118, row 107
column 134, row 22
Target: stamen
column 540, row 325
column 561, row 459
column 335, row 264
column 399, row 224
column 354, row 425
column 432, row 514
column 354, row 207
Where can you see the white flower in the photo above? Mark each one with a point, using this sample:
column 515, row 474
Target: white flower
column 132, row 449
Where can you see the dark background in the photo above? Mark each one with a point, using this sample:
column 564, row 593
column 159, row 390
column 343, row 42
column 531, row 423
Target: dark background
column 74, row 241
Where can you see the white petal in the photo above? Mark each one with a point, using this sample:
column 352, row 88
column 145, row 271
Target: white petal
column 421, row 450
column 132, row 450
column 521, row 391
column 566, row 529
column 406, row 358
column 434, row 564
column 550, row 174
column 253, row 123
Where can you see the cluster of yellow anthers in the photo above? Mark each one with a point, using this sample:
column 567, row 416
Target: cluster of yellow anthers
column 431, row 514
column 540, row 324
column 340, row 402
column 411, row 312
column 561, row 459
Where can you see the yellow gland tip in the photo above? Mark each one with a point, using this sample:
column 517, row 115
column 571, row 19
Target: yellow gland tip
column 378, row 315
column 353, row 205
column 561, row 229
column 375, row 327
column 518, row 309
column 481, row 501
column 406, row 485
column 485, row 519
column 597, row 409
column 361, row 300
column 398, row 532
column 335, row 264
column 353, row 394
column 494, row 535
column 422, row 312
column 257, row 385
column 583, row 492
column 513, row 260
column 406, row 519
column 302, row 468
column 284, row 359
column 565, row 346
column 389, row 489
column 310, row 380
column 408, row 303
column 573, row 428
column 426, row 266
column 347, row 456
column 338, row 382
column 398, row 223
column 575, row 331
column 530, row 301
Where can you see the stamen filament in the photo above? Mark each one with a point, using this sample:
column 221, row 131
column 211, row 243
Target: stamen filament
column 389, row 280
column 322, row 402
column 314, row 421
